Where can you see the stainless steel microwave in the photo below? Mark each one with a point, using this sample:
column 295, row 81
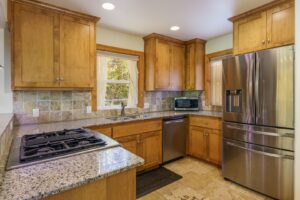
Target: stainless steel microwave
column 187, row 103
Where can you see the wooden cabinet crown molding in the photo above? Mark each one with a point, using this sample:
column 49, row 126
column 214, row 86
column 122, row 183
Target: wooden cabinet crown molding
column 259, row 9
column 196, row 40
column 163, row 37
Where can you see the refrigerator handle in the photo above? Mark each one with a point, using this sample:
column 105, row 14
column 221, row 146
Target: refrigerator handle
column 257, row 86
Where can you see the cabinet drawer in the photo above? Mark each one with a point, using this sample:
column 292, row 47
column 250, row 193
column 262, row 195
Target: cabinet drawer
column 104, row 130
column 133, row 128
column 206, row 122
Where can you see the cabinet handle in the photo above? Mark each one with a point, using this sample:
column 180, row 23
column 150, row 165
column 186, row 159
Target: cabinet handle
column 57, row 78
column 61, row 78
column 269, row 40
column 263, row 42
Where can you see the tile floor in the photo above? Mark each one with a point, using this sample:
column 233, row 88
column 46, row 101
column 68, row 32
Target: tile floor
column 201, row 181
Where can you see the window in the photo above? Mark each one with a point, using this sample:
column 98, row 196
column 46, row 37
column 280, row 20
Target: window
column 214, row 78
column 216, row 82
column 117, row 80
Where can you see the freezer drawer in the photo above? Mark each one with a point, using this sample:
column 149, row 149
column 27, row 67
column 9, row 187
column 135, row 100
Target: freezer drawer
column 267, row 136
column 266, row 170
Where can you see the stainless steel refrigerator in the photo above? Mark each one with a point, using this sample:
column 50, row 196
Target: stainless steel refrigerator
column 258, row 127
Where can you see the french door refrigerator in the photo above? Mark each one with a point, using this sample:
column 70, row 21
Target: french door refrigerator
column 258, row 121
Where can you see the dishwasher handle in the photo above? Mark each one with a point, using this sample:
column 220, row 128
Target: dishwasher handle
column 175, row 121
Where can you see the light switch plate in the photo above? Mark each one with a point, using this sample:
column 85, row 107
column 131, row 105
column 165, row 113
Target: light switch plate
column 89, row 109
column 35, row 112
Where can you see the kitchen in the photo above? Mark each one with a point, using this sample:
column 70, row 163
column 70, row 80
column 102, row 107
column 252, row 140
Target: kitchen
column 113, row 94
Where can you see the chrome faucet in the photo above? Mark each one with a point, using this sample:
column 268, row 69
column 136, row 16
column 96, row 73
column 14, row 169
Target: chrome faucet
column 123, row 109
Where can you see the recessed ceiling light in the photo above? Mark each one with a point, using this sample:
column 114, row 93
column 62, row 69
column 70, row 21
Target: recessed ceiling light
column 174, row 28
column 108, row 6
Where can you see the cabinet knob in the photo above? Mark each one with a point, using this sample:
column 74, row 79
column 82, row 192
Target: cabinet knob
column 57, row 78
column 269, row 40
column 61, row 78
column 263, row 42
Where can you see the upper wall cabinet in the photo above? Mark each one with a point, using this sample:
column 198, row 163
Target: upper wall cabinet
column 164, row 63
column 269, row 26
column 53, row 48
column 195, row 59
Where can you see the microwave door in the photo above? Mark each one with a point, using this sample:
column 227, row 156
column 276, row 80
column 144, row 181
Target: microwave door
column 238, row 89
column 275, row 87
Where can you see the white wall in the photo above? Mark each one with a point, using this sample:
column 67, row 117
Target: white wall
column 297, row 104
column 219, row 43
column 5, row 77
column 118, row 39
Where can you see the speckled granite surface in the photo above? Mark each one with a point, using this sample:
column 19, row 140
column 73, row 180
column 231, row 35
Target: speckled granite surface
column 38, row 128
column 41, row 180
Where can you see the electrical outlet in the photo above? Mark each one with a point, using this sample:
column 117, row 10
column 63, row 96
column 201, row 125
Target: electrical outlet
column 89, row 109
column 35, row 112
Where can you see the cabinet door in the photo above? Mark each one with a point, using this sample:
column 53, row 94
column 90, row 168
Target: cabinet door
column 214, row 146
column 35, row 47
column 78, row 52
column 190, row 67
column 129, row 143
column 177, row 67
column 151, row 148
column 197, row 142
column 250, row 33
column 281, row 25
column 163, row 65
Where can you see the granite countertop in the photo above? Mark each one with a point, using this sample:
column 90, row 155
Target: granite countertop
column 47, row 127
column 48, row 178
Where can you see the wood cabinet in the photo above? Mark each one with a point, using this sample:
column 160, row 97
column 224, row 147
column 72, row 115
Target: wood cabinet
column 106, row 130
column 204, row 139
column 151, row 149
column 52, row 48
column 164, row 63
column 195, row 64
column 130, row 143
column 143, row 138
column 271, row 25
column 197, row 142
column 119, row 186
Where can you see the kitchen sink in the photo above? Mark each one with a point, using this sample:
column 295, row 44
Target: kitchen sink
column 123, row 118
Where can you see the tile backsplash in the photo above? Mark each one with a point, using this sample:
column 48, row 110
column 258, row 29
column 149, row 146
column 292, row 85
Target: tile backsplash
column 70, row 105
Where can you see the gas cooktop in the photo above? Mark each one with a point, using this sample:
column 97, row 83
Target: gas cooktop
column 52, row 145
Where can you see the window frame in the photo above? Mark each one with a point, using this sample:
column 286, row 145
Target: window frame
column 140, row 65
column 208, row 59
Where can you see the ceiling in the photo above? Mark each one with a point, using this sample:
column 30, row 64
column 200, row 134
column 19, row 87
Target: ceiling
column 203, row 19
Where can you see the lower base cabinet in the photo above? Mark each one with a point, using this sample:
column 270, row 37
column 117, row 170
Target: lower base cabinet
column 146, row 145
column 143, row 138
column 116, row 187
column 205, row 139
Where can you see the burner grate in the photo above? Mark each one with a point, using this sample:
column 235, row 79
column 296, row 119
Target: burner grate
column 46, row 145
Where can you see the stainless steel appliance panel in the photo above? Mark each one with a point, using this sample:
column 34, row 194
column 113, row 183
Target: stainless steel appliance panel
column 272, row 137
column 174, row 138
column 275, row 87
column 238, row 89
column 266, row 170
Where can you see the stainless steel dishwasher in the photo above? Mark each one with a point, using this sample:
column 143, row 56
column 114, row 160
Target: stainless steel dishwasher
column 174, row 137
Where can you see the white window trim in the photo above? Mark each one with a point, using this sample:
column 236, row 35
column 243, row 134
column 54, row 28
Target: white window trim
column 122, row 56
